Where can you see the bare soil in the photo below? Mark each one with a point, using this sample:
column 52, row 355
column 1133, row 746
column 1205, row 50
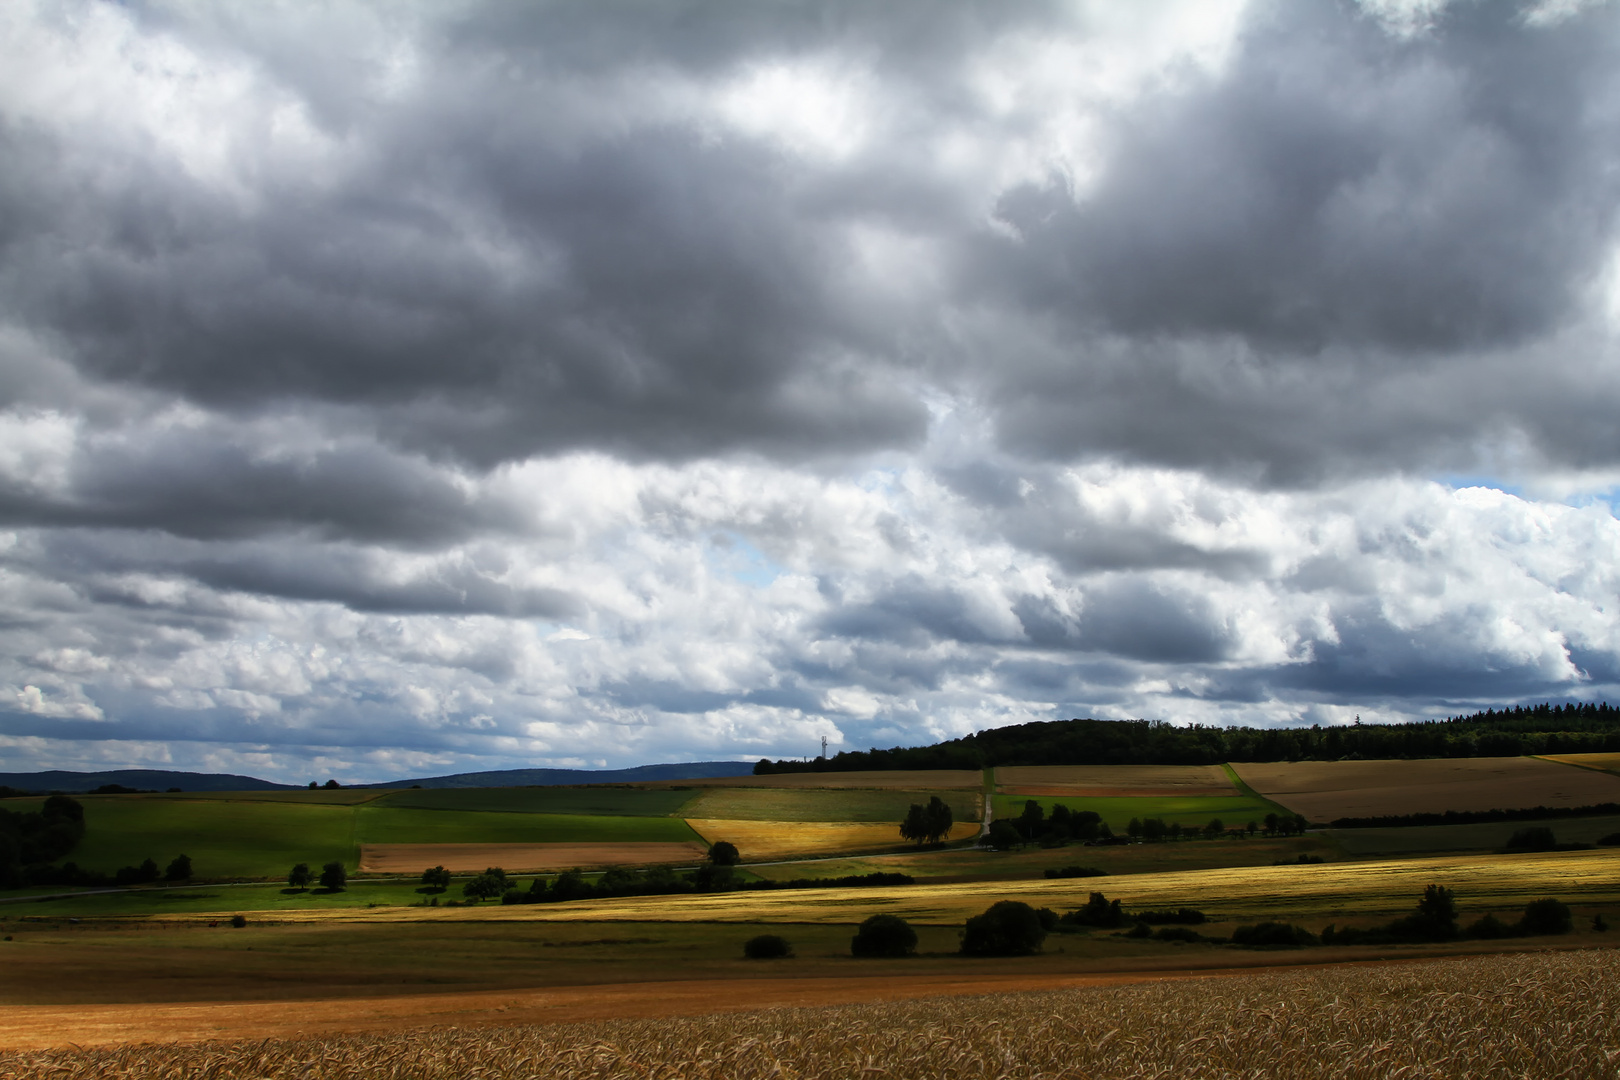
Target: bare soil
column 1325, row 790
column 1100, row 781
column 413, row 858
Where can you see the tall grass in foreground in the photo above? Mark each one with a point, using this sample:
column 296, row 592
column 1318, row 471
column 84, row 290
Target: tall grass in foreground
column 1547, row 1015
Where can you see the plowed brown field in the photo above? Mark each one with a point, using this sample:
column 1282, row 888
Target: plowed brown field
column 413, row 858
column 907, row 780
column 1324, row 790
column 1103, row 781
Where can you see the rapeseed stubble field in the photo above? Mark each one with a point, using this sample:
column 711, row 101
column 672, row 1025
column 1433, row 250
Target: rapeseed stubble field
column 1526, row 1015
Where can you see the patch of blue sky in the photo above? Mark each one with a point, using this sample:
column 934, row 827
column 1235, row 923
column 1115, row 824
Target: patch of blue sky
column 1458, row 481
column 735, row 555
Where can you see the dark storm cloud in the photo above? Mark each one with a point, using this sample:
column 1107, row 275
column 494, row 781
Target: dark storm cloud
column 1274, row 254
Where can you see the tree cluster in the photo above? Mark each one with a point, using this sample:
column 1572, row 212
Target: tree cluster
column 333, row 877
column 929, row 824
column 32, row 839
column 1435, row 919
column 659, row 881
column 1539, row 729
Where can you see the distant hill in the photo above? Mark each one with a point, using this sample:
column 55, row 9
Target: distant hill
column 690, row 770
column 163, row 780
column 141, row 779
column 1576, row 727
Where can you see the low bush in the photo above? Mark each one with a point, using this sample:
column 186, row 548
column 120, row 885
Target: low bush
column 884, row 935
column 1272, row 935
column 767, row 947
column 1176, row 933
column 1076, row 871
column 1546, row 916
column 1535, row 838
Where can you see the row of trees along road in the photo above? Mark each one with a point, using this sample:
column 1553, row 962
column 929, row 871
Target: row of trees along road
column 334, row 878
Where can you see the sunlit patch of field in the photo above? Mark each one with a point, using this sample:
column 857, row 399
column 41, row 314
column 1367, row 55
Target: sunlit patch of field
column 802, row 805
column 1325, row 790
column 1316, row 893
column 1606, row 762
column 1102, row 780
column 1530, row 1016
column 896, row 780
column 414, row 858
column 758, row 841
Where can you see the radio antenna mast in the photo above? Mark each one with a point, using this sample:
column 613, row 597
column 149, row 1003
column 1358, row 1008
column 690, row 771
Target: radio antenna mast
column 824, row 746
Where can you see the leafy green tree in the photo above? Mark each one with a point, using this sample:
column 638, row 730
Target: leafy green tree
column 1031, row 821
column 332, row 785
column 333, row 877
column 436, row 877
column 1004, row 836
column 915, row 825
column 1215, row 827
column 179, row 869
column 1006, row 928
column 937, row 819
column 299, row 876
column 488, row 885
column 1272, row 822
column 884, row 935
column 1134, row 828
column 723, row 853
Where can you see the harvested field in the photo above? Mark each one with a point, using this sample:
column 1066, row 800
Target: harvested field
column 414, row 858
column 805, row 805
column 1534, row 1015
column 907, row 780
column 758, row 841
column 1325, row 790
column 1605, row 762
column 1113, row 780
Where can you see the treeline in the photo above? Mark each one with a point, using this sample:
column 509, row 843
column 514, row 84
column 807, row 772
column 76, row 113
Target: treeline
column 1474, row 817
column 1540, row 729
column 495, row 884
column 31, row 841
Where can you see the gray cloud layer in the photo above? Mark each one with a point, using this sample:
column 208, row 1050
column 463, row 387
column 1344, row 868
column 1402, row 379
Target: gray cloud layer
column 386, row 389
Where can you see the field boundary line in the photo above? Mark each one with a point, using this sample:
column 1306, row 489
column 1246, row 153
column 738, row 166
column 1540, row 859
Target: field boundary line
column 1243, row 786
column 1572, row 764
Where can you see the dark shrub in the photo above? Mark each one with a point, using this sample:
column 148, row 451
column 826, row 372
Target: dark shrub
column 723, row 853
column 1488, row 927
column 767, row 947
column 1176, row 933
column 1076, row 871
column 333, row 877
column 884, row 935
column 1099, row 911
column 1612, row 840
column 1007, row 928
column 1140, row 930
column 179, row 869
column 1535, row 838
column 238, row 921
column 1547, row 916
column 1186, row 915
column 1273, row 935
column 1599, row 923
column 1004, row 836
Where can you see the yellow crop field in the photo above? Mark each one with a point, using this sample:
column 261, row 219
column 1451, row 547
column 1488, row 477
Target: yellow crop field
column 1316, row 894
column 1105, row 780
column 758, row 841
column 1530, row 1016
column 1606, row 762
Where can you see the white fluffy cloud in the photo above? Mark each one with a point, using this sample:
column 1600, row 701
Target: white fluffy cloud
column 391, row 390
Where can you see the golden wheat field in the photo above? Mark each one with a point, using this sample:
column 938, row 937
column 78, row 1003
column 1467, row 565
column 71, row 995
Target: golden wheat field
column 1526, row 1015
column 763, row 840
column 1606, row 762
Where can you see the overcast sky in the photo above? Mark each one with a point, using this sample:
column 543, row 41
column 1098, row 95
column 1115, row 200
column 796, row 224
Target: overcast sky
column 396, row 389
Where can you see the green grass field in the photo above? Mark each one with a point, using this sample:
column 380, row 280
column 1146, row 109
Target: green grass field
column 779, row 804
column 1195, row 810
column 590, row 801
column 390, row 825
column 225, row 838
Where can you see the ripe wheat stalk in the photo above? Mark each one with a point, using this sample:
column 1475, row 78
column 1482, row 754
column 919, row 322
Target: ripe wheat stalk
column 1547, row 1015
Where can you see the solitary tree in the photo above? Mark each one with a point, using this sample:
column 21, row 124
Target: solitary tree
column 436, row 877
column 300, row 877
column 334, row 877
column 937, row 819
column 915, row 826
column 1007, row 928
column 723, row 853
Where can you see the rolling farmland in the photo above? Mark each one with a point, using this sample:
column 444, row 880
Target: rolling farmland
column 1325, row 790
column 1113, row 780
